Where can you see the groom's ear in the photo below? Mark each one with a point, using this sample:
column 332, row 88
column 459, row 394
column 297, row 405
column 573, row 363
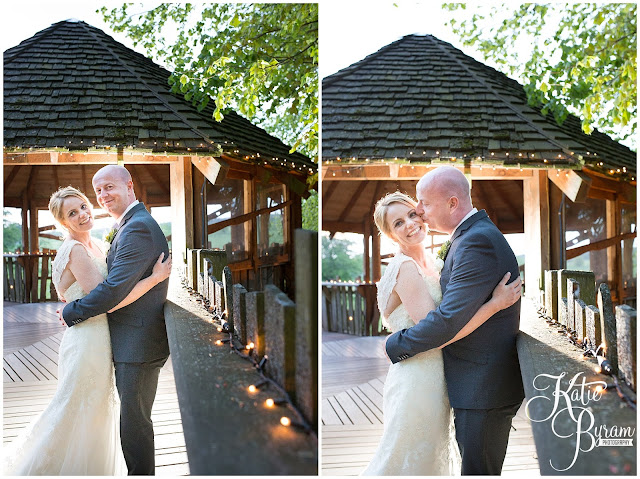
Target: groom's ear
column 453, row 203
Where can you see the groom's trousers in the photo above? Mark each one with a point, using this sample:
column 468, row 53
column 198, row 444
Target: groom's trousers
column 482, row 436
column 137, row 384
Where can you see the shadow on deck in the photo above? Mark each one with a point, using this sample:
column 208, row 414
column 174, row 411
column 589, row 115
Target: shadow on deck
column 31, row 341
column 353, row 373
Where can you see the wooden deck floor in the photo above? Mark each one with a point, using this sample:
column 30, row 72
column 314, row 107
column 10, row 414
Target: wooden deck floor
column 31, row 340
column 353, row 374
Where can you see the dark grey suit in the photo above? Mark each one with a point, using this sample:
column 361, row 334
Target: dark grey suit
column 138, row 332
column 482, row 370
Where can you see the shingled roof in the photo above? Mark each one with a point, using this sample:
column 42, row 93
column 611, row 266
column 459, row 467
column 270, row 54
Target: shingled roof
column 420, row 98
column 73, row 86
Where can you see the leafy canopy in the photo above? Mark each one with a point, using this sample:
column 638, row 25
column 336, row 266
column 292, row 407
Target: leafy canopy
column 572, row 57
column 258, row 59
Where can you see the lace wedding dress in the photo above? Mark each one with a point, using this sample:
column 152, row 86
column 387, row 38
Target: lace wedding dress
column 79, row 431
column 419, row 435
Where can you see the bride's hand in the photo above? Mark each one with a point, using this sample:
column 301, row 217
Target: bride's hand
column 161, row 271
column 504, row 295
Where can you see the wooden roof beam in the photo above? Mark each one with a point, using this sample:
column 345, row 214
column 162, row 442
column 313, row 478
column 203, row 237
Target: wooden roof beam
column 574, row 184
column 84, row 157
column 360, row 171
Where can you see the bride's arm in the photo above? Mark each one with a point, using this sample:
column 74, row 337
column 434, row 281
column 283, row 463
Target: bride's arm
column 503, row 296
column 413, row 292
column 160, row 272
column 88, row 276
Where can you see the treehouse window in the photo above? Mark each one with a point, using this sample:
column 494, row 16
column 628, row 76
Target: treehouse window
column 271, row 225
column 224, row 203
column 585, row 224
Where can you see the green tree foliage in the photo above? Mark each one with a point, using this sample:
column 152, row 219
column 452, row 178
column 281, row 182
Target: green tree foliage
column 338, row 262
column 581, row 58
column 310, row 211
column 11, row 234
column 259, row 59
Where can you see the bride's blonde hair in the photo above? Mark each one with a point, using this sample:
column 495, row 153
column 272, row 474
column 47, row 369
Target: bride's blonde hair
column 380, row 212
column 57, row 200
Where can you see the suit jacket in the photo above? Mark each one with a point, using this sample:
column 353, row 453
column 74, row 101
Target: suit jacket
column 481, row 369
column 138, row 331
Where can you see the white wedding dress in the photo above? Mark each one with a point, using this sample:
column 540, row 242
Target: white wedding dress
column 79, row 431
column 419, row 434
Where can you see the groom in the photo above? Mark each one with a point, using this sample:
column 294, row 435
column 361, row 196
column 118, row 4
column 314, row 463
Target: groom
column 482, row 369
column 138, row 333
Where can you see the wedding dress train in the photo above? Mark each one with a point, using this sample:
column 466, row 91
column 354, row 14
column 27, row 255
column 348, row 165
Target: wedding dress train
column 419, row 436
column 79, row 431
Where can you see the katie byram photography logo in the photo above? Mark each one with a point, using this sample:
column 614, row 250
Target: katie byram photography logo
column 570, row 414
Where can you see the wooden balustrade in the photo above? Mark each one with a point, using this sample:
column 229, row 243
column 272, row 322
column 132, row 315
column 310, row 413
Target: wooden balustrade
column 350, row 308
column 284, row 331
column 27, row 277
column 572, row 300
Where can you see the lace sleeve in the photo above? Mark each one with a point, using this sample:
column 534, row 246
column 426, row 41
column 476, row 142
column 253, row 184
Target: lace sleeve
column 60, row 262
column 388, row 282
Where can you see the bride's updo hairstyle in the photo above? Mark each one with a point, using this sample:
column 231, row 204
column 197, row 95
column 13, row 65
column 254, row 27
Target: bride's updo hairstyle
column 57, row 200
column 380, row 213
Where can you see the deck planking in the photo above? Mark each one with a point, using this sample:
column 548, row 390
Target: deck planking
column 32, row 335
column 353, row 373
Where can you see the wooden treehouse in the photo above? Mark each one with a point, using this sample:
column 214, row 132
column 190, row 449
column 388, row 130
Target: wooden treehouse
column 75, row 100
column 419, row 103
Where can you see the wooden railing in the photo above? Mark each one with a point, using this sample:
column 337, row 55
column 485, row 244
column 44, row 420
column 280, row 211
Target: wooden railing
column 27, row 277
column 284, row 331
column 578, row 363
column 350, row 308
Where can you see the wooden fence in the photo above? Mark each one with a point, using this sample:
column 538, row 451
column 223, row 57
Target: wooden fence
column 586, row 313
column 350, row 308
column 27, row 277
column 281, row 330
column 582, row 360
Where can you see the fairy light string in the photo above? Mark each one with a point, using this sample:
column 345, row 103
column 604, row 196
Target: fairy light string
column 246, row 352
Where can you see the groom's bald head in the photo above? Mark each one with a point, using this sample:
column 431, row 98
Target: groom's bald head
column 113, row 187
column 444, row 198
column 449, row 181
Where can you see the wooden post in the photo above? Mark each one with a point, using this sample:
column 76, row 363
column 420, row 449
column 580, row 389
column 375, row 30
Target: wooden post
column 254, row 304
column 557, row 242
column 25, row 223
column 306, row 284
column 536, row 229
column 376, row 261
column 594, row 328
column 366, row 256
column 580, row 309
column 551, row 294
column 240, row 313
column 227, row 283
column 199, row 212
column 614, row 252
column 626, row 339
column 608, row 322
column 280, row 338
column 573, row 294
column 181, row 206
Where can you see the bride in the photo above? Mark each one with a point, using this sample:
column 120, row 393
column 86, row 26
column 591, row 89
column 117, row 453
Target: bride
column 78, row 433
column 419, row 436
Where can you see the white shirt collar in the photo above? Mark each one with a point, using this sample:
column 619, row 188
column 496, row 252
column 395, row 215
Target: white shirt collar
column 469, row 215
column 119, row 218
